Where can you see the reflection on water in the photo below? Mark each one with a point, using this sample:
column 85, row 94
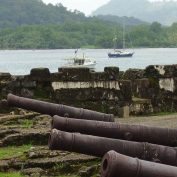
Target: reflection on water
column 20, row 62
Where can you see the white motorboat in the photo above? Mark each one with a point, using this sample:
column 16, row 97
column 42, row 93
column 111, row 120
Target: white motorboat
column 80, row 62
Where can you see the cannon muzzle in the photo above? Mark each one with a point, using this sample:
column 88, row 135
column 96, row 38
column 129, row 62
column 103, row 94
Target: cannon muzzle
column 117, row 130
column 115, row 164
column 98, row 146
column 57, row 109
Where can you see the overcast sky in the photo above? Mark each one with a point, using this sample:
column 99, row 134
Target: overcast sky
column 86, row 6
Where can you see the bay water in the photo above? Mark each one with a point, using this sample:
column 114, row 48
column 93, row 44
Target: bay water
column 20, row 62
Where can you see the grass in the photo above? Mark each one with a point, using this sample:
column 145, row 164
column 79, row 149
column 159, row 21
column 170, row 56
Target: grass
column 17, row 174
column 13, row 151
column 72, row 169
column 27, row 123
column 162, row 113
column 21, row 123
column 14, row 174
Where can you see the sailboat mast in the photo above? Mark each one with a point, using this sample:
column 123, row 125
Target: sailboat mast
column 123, row 35
column 115, row 41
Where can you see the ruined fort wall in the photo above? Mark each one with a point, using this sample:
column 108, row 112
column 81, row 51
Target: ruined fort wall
column 101, row 91
column 157, row 83
column 153, row 89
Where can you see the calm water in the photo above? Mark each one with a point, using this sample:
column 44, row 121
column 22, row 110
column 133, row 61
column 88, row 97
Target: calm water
column 19, row 62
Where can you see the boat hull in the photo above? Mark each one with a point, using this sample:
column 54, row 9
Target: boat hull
column 116, row 55
column 91, row 66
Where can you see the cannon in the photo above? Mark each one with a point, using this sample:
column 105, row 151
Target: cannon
column 57, row 109
column 117, row 130
column 98, row 146
column 115, row 165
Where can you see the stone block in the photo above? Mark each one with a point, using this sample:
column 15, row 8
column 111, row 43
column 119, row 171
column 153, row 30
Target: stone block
column 126, row 90
column 161, row 71
column 111, row 73
column 74, row 74
column 141, row 87
column 56, row 77
column 124, row 112
column 141, row 106
column 28, row 84
column 97, row 76
column 132, row 74
column 26, row 93
column 14, row 84
column 5, row 76
column 40, row 74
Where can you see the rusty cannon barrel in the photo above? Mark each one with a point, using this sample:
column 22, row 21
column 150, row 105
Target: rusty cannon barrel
column 115, row 165
column 139, row 133
column 98, row 146
column 57, row 109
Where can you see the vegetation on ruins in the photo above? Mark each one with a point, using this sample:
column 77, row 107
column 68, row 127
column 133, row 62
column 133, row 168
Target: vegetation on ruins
column 16, row 174
column 12, row 151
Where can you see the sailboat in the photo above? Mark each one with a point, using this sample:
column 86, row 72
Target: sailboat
column 116, row 53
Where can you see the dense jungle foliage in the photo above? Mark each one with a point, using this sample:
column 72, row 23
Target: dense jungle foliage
column 92, row 34
column 32, row 24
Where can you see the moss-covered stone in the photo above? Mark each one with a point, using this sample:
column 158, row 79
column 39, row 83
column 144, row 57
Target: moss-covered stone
column 111, row 73
column 133, row 74
column 5, row 76
column 40, row 74
column 74, row 74
column 153, row 72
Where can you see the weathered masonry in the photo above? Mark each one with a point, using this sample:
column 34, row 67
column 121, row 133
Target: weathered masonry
column 77, row 87
column 153, row 89
column 157, row 84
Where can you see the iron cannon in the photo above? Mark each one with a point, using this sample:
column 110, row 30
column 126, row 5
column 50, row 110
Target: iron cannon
column 57, row 109
column 115, row 165
column 98, row 146
column 117, row 130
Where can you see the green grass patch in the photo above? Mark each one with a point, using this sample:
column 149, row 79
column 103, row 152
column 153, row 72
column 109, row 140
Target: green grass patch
column 163, row 113
column 72, row 170
column 10, row 175
column 27, row 123
column 17, row 174
column 13, row 151
column 22, row 123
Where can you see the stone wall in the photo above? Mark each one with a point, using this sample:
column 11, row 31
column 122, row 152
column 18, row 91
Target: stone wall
column 153, row 89
column 101, row 91
column 157, row 83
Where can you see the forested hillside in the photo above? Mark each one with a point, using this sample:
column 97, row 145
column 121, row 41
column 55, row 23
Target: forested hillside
column 14, row 13
column 128, row 21
column 93, row 34
column 164, row 12
column 30, row 24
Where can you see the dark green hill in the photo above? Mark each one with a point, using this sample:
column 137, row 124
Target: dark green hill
column 164, row 12
column 14, row 13
column 128, row 21
column 30, row 12
column 31, row 24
